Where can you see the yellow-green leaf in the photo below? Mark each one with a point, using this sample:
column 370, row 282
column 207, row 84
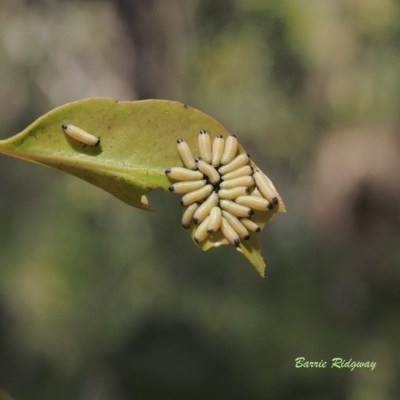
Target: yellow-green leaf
column 138, row 143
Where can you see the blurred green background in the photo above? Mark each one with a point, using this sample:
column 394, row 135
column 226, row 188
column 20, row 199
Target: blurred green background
column 102, row 301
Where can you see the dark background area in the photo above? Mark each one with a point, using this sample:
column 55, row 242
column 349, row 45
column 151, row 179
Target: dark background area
column 102, row 301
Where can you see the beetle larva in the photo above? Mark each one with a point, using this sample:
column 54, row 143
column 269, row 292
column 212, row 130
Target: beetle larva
column 81, row 135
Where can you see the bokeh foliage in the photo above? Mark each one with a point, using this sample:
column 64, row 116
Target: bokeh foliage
column 99, row 300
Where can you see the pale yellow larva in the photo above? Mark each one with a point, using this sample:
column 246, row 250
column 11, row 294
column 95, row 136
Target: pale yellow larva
column 185, row 154
column 217, row 150
column 204, row 210
column 201, row 231
column 236, row 209
column 186, row 187
column 247, row 181
column 188, row 215
column 237, row 162
column 205, row 146
column 230, row 150
column 183, row 174
column 229, row 233
column 255, row 202
column 80, row 135
column 235, row 223
column 209, row 171
column 250, row 225
column 214, row 222
column 230, row 194
column 265, row 187
column 196, row 195
column 242, row 171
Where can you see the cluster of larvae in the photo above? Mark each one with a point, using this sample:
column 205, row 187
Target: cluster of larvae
column 221, row 190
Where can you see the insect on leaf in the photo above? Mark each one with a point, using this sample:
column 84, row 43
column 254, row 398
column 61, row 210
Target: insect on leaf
column 138, row 142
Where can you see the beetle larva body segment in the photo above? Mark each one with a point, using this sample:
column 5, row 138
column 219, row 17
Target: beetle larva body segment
column 231, row 147
column 204, row 210
column 201, row 231
column 236, row 209
column 217, row 150
column 80, row 135
column 185, row 154
column 254, row 202
column 186, row 187
column 237, row 162
column 196, row 195
column 209, row 171
column 183, row 174
column 214, row 222
column 264, row 185
column 188, row 215
column 247, row 181
column 229, row 233
column 246, row 170
column 235, row 223
column 205, row 146
column 231, row 194
column 250, row 225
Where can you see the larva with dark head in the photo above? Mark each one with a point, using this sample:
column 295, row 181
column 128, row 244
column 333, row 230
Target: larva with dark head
column 236, row 209
column 231, row 147
column 204, row 210
column 254, row 202
column 209, row 171
column 234, row 222
column 205, row 146
column 266, row 187
column 196, row 195
column 247, row 181
column 186, row 187
column 188, row 215
column 201, row 232
column 214, row 222
column 250, row 225
column 237, row 162
column 229, row 233
column 231, row 194
column 183, row 174
column 185, row 154
column 80, row 135
column 217, row 150
column 246, row 170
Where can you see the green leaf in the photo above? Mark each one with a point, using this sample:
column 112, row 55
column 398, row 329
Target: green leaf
column 138, row 143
